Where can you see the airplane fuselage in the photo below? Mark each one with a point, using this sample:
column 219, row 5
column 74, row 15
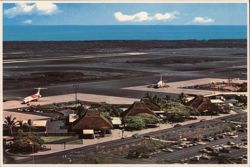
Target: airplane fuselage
column 31, row 98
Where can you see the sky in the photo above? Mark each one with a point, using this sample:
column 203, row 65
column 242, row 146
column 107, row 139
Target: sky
column 46, row 13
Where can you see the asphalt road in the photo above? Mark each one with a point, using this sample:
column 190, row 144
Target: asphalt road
column 192, row 151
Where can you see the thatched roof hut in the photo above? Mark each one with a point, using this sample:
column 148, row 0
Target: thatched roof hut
column 203, row 104
column 150, row 104
column 136, row 108
column 92, row 119
column 243, row 87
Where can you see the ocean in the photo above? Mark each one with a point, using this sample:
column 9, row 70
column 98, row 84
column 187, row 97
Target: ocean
column 89, row 33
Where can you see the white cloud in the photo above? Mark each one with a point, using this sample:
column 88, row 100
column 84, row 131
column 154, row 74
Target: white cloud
column 28, row 21
column 202, row 20
column 41, row 8
column 138, row 17
column 144, row 16
column 166, row 16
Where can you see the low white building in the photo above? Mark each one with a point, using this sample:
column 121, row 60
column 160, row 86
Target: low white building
column 217, row 101
column 116, row 121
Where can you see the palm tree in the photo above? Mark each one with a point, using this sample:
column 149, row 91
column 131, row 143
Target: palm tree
column 20, row 124
column 10, row 123
column 29, row 124
column 148, row 95
column 181, row 98
column 23, row 126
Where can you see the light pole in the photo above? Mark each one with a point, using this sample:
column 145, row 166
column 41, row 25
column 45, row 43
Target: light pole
column 33, row 153
column 32, row 147
column 76, row 87
column 123, row 133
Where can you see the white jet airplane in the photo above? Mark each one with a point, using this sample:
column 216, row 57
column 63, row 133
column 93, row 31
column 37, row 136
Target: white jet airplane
column 160, row 84
column 33, row 97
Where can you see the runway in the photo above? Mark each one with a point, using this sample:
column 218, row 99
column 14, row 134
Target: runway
column 115, row 65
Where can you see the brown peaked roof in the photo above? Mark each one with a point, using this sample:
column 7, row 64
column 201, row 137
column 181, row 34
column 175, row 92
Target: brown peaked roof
column 151, row 105
column 92, row 119
column 203, row 103
column 136, row 108
column 195, row 102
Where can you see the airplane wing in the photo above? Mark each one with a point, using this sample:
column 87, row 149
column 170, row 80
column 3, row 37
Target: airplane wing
column 27, row 99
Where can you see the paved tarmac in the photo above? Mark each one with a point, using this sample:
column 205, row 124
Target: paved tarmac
column 177, row 87
column 71, row 97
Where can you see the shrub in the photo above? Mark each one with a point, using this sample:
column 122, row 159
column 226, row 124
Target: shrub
column 26, row 143
column 173, row 117
column 148, row 118
column 134, row 123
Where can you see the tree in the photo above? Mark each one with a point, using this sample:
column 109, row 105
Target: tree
column 20, row 124
column 26, row 143
column 106, row 114
column 156, row 100
column 116, row 110
column 29, row 123
column 242, row 99
column 147, row 95
column 23, row 126
column 134, row 123
column 80, row 110
column 110, row 110
column 166, row 97
column 10, row 123
column 176, row 111
column 181, row 98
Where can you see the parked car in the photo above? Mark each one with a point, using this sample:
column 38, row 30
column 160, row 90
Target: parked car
column 195, row 158
column 209, row 139
column 210, row 148
column 136, row 136
column 147, row 137
column 225, row 150
column 168, row 150
column 236, row 147
column 230, row 143
column 204, row 156
column 177, row 147
column 234, row 137
column 177, row 125
column 244, row 139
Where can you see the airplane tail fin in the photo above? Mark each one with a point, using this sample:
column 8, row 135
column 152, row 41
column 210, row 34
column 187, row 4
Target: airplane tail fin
column 38, row 90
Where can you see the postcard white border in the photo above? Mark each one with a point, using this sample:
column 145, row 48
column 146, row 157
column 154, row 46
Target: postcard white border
column 121, row 1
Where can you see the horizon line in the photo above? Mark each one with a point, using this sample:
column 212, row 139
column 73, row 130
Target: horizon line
column 212, row 39
column 129, row 25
